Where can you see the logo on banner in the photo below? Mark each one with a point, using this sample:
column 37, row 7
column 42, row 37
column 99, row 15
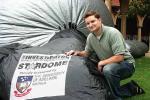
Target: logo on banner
column 22, row 85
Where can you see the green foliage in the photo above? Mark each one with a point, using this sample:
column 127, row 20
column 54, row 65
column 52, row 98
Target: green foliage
column 147, row 2
column 140, row 7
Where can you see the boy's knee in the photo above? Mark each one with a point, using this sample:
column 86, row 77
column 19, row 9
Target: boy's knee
column 109, row 69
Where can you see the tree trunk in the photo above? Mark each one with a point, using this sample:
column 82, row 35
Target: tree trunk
column 123, row 25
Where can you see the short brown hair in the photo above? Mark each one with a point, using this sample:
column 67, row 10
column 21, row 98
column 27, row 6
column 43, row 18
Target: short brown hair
column 91, row 13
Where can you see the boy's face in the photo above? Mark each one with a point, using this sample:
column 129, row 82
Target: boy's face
column 93, row 23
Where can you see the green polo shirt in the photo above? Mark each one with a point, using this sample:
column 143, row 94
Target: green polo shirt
column 110, row 43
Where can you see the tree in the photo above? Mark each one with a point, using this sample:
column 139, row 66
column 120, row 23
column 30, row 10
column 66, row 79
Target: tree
column 141, row 9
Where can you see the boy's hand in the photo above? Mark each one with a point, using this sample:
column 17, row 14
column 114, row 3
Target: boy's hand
column 71, row 52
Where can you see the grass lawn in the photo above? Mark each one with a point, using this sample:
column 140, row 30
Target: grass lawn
column 142, row 77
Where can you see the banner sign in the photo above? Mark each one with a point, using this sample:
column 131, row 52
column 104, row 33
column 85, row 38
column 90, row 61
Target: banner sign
column 39, row 75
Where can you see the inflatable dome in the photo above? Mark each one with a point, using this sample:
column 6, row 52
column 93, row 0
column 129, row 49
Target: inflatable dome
column 34, row 34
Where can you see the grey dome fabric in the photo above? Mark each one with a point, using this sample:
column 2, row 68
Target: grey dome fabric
column 34, row 22
column 137, row 48
column 81, row 84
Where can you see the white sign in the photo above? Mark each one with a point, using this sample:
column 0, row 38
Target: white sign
column 39, row 75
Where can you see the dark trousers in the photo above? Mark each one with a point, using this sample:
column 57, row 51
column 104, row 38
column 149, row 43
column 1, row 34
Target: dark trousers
column 113, row 74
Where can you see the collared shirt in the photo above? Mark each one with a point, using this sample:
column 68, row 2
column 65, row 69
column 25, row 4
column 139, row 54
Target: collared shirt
column 110, row 43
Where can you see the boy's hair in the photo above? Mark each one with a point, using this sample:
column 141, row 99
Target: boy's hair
column 91, row 13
